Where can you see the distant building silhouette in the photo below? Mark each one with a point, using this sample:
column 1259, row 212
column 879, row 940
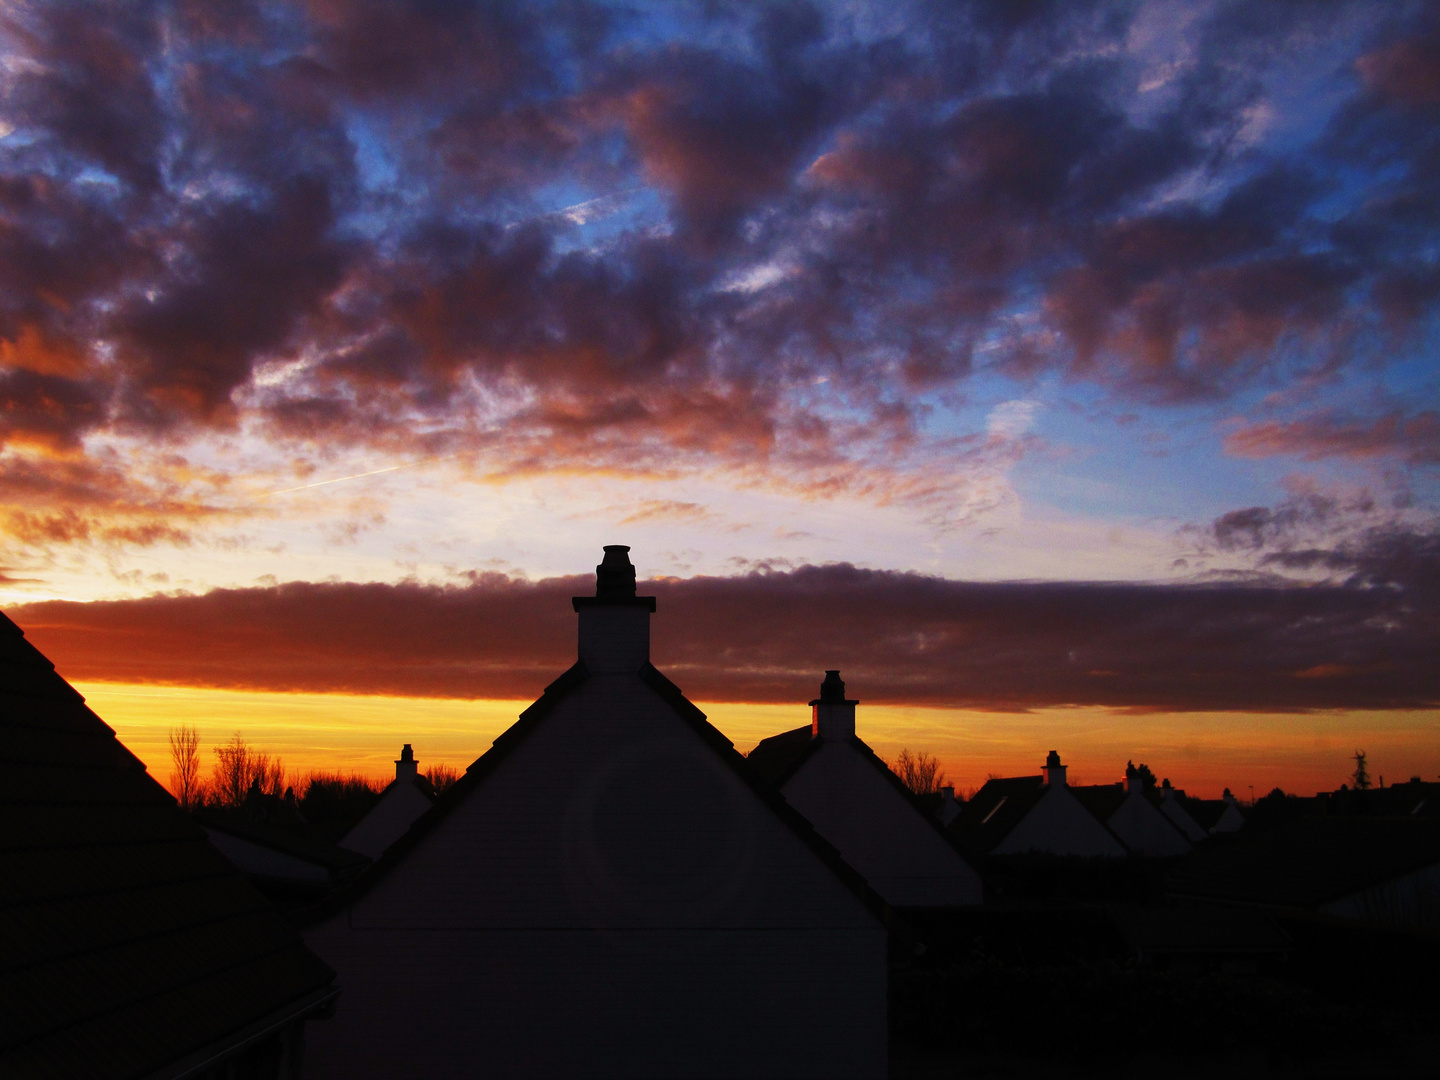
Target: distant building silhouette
column 400, row 806
column 1218, row 817
column 1379, row 869
column 287, row 861
column 828, row 773
column 1130, row 815
column 131, row 947
column 611, row 890
column 1033, row 814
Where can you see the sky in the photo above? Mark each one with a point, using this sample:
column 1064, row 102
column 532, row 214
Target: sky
column 1068, row 374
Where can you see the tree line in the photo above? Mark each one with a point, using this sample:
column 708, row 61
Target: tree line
column 241, row 771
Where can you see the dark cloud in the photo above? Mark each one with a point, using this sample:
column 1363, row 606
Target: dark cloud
column 249, row 276
column 1413, row 439
column 900, row 638
column 569, row 235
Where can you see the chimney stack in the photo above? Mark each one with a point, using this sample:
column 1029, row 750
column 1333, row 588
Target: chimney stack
column 1133, row 780
column 1053, row 772
column 832, row 716
column 614, row 623
column 407, row 768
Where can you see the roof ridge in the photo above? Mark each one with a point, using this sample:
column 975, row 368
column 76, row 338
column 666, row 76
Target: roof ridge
column 552, row 695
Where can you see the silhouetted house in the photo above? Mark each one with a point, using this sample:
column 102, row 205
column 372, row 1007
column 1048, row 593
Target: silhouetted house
column 129, row 947
column 1218, row 817
column 401, row 805
column 1383, row 870
column 949, row 809
column 1130, row 815
column 287, row 861
column 1171, row 803
column 830, row 775
column 611, row 890
column 1033, row 814
column 1413, row 798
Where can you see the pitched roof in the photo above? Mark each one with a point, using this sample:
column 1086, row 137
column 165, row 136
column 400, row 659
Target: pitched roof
column 127, row 943
column 528, row 721
column 777, row 757
column 1206, row 812
column 1102, row 800
column 994, row 811
column 296, row 839
column 780, row 757
column 1311, row 861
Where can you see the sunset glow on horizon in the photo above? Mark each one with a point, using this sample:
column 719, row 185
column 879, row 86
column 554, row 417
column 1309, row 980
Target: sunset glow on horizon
column 1200, row 753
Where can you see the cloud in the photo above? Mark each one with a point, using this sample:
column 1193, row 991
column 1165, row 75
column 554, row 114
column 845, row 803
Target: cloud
column 668, row 510
column 767, row 636
column 387, row 225
column 1413, row 439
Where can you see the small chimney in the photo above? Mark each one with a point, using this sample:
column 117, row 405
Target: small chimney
column 614, row 623
column 1133, row 781
column 1166, row 791
column 1053, row 772
column 1228, row 797
column 407, row 768
column 832, row 716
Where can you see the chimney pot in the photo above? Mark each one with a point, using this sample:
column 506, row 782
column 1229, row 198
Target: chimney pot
column 615, row 576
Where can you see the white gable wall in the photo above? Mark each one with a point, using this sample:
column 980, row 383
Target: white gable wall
column 1231, row 820
column 388, row 820
column 611, row 900
column 1059, row 825
column 1145, row 830
column 878, row 830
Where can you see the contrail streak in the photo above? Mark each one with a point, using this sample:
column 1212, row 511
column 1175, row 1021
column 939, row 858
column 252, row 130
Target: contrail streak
column 358, row 475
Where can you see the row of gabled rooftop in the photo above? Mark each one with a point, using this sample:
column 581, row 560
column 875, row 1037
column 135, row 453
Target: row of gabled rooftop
column 611, row 889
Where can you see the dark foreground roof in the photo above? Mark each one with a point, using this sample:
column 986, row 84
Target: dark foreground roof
column 1310, row 862
column 128, row 945
column 535, row 715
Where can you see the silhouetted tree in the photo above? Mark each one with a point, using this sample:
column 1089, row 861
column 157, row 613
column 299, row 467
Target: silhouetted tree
column 185, row 782
column 1361, row 774
column 920, row 772
column 1146, row 776
column 334, row 802
column 238, row 768
column 441, row 777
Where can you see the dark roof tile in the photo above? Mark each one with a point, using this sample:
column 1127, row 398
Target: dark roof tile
column 126, row 941
column 990, row 815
